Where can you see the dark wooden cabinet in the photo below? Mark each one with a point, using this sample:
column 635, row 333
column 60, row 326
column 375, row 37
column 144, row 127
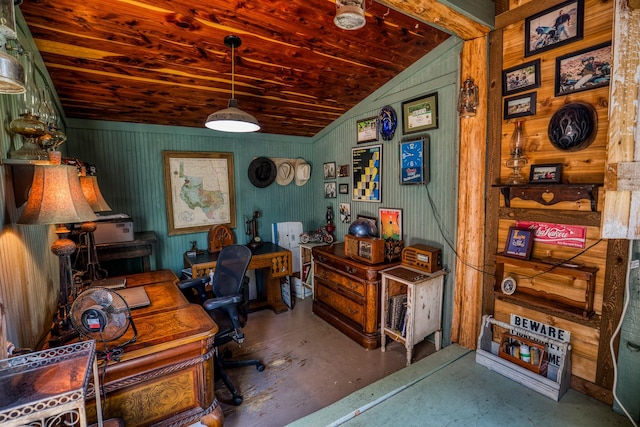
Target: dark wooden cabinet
column 347, row 294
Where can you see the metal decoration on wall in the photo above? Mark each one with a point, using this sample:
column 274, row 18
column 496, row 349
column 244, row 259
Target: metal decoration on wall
column 573, row 127
column 387, row 122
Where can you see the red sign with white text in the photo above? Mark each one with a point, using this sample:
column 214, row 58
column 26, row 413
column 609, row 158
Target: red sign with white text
column 574, row 236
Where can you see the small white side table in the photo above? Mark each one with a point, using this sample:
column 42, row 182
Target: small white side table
column 423, row 314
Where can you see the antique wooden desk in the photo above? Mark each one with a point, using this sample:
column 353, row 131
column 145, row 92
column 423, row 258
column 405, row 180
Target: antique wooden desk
column 166, row 376
column 272, row 260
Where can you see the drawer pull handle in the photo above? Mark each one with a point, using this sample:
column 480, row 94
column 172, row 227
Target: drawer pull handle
column 350, row 269
column 321, row 258
column 352, row 311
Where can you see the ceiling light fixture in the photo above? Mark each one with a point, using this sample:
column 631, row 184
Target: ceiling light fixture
column 350, row 14
column 232, row 119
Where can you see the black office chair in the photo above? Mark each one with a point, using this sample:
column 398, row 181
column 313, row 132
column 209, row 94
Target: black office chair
column 228, row 307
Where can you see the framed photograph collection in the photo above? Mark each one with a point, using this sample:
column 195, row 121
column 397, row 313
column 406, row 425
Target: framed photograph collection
column 520, row 78
column 553, row 27
column 583, row 70
column 520, row 106
column 546, row 174
column 329, row 170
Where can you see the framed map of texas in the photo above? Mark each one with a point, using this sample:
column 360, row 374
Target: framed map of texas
column 199, row 191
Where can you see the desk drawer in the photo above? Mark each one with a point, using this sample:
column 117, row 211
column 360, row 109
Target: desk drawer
column 343, row 305
column 348, row 283
column 343, row 267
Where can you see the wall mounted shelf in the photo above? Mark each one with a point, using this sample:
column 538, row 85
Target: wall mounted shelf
column 550, row 194
column 555, row 302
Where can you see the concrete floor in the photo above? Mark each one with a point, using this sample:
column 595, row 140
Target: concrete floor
column 316, row 376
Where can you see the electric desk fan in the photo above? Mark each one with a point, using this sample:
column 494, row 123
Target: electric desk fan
column 103, row 315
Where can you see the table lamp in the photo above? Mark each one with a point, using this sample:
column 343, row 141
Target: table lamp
column 56, row 198
column 92, row 193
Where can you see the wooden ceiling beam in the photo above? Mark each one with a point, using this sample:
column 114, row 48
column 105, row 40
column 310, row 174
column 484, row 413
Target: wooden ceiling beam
column 442, row 16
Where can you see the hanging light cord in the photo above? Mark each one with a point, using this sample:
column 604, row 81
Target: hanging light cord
column 233, row 73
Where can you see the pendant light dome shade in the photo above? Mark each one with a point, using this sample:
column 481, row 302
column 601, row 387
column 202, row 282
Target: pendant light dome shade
column 232, row 119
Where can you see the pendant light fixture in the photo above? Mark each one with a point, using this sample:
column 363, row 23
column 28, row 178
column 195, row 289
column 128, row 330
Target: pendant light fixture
column 232, row 119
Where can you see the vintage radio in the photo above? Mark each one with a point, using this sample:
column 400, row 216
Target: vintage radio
column 422, row 257
column 365, row 249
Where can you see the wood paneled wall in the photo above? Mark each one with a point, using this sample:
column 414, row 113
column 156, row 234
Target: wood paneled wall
column 591, row 363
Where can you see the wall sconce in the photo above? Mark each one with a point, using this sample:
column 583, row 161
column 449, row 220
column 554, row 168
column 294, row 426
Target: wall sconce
column 468, row 99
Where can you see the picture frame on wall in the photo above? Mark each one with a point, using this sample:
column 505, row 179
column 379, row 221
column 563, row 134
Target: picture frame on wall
column 414, row 160
column 330, row 190
column 329, row 170
column 390, row 226
column 519, row 243
column 521, row 78
column 546, row 174
column 343, row 171
column 345, row 213
column 367, row 130
column 585, row 69
column 520, row 106
column 343, row 189
column 554, row 27
column 420, row 114
column 366, row 172
column 183, row 169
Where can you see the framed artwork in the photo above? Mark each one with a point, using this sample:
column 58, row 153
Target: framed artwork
column 343, row 170
column 520, row 78
column 414, row 160
column 519, row 242
column 554, row 27
column 329, row 170
column 420, row 113
column 583, row 70
column 330, row 190
column 345, row 213
column 367, row 130
column 199, row 191
column 545, row 174
column 366, row 170
column 343, row 189
column 390, row 223
column 520, row 106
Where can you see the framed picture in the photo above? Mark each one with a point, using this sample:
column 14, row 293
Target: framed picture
column 345, row 213
column 420, row 114
column 329, row 170
column 544, row 174
column 554, row 27
column 520, row 78
column 343, row 189
column 390, row 223
column 520, row 106
column 366, row 170
column 583, row 70
column 367, row 130
column 330, row 190
column 199, row 191
column 519, row 242
column 414, row 160
column 343, row 171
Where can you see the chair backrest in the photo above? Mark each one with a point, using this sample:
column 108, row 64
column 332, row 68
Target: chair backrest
column 231, row 267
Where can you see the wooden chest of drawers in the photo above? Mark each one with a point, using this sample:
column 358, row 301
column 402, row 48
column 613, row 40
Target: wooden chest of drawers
column 347, row 294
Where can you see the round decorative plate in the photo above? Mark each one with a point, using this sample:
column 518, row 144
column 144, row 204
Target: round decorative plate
column 508, row 285
column 387, row 123
column 573, row 127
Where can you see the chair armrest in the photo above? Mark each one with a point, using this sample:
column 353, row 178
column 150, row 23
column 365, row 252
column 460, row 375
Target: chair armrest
column 197, row 283
column 221, row 302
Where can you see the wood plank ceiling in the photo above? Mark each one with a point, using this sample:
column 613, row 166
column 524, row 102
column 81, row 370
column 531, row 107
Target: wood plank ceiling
column 164, row 61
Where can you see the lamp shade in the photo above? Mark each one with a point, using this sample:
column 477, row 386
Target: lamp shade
column 56, row 197
column 93, row 194
column 232, row 119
